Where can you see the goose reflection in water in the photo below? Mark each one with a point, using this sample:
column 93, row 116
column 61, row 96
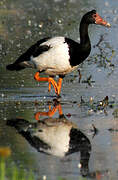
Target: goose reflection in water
column 55, row 136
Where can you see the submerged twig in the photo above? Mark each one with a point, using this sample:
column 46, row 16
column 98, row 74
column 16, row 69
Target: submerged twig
column 100, row 40
column 80, row 76
column 88, row 81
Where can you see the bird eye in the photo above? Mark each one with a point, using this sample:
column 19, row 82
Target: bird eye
column 94, row 15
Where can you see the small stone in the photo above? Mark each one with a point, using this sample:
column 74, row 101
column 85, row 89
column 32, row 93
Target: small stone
column 91, row 99
column 29, row 22
column 2, row 95
column 59, row 21
column 79, row 165
column 90, row 111
column 101, row 103
column 41, row 25
column 44, row 177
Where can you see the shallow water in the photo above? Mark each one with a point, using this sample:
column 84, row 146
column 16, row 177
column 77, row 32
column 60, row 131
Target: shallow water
column 21, row 24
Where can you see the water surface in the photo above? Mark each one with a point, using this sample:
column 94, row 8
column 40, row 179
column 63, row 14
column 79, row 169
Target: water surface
column 21, row 24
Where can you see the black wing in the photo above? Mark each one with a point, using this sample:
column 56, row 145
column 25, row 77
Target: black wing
column 35, row 50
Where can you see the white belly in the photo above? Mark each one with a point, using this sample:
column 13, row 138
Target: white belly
column 55, row 61
column 57, row 137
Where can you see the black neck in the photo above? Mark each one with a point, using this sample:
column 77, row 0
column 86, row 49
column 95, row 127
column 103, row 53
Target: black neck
column 84, row 37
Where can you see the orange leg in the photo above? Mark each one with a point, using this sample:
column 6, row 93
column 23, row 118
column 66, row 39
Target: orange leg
column 50, row 113
column 48, row 79
column 49, row 87
column 57, row 86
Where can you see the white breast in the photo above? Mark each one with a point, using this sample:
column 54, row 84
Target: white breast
column 56, row 59
column 57, row 137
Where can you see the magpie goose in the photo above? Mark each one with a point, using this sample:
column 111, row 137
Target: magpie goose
column 58, row 55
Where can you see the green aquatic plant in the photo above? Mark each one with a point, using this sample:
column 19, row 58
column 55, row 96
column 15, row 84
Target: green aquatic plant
column 105, row 55
column 13, row 172
column 4, row 153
